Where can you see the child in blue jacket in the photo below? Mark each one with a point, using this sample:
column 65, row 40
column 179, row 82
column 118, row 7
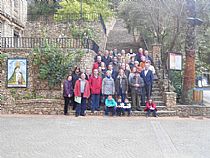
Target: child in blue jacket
column 110, row 105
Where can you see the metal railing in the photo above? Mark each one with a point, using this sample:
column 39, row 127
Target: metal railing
column 27, row 43
column 102, row 23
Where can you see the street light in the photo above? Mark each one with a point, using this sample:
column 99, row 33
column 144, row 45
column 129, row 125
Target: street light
column 81, row 9
column 194, row 21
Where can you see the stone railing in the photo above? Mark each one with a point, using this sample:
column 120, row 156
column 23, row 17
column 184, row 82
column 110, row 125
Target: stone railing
column 169, row 96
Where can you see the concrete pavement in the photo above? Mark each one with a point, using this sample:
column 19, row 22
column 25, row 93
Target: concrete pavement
column 206, row 97
column 25, row 136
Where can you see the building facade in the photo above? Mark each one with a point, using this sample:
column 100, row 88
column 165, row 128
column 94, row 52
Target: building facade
column 13, row 17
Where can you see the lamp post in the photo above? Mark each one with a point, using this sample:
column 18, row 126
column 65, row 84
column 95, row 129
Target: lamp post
column 189, row 70
column 81, row 9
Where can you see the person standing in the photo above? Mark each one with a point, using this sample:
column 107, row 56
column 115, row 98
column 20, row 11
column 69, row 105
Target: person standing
column 126, row 71
column 106, row 58
column 67, row 93
column 113, row 72
column 146, row 54
column 95, row 87
column 137, row 84
column 147, row 76
column 139, row 55
column 75, row 77
column 108, row 86
column 97, row 63
column 115, row 64
column 121, row 85
column 82, row 93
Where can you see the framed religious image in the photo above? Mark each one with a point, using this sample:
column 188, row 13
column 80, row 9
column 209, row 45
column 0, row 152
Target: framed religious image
column 17, row 73
column 175, row 61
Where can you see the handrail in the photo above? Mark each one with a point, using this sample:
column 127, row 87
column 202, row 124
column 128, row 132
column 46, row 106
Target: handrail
column 30, row 42
column 102, row 23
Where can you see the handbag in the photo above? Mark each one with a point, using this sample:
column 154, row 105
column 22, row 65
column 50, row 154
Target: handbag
column 78, row 99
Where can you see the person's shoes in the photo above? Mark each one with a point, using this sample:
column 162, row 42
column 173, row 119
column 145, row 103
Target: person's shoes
column 138, row 109
column 76, row 115
column 98, row 109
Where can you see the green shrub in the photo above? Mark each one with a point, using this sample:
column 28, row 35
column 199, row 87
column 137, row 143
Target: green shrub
column 54, row 64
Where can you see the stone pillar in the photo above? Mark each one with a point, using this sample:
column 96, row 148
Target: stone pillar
column 169, row 99
column 156, row 53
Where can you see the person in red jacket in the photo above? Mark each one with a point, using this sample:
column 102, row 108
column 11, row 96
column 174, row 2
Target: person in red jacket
column 81, row 93
column 95, row 87
column 150, row 107
column 97, row 63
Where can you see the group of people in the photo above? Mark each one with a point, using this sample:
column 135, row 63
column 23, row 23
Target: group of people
column 114, row 77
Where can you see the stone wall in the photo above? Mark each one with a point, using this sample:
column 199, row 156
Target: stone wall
column 34, row 106
column 193, row 111
column 62, row 30
column 11, row 104
column 170, row 99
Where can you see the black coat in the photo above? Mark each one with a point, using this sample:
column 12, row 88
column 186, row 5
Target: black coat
column 106, row 60
column 148, row 79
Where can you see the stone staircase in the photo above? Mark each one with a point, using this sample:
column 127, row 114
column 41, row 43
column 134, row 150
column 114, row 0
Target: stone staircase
column 120, row 38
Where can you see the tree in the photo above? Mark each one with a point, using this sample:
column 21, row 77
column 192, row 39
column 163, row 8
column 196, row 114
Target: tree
column 88, row 8
column 42, row 7
column 158, row 21
column 189, row 71
column 166, row 22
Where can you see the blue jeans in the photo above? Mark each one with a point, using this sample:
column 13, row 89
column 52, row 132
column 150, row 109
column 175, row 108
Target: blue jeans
column 80, row 109
column 110, row 109
column 123, row 95
column 95, row 98
column 154, row 113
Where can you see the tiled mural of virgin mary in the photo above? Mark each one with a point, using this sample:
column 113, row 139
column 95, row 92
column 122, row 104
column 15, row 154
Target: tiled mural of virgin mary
column 17, row 72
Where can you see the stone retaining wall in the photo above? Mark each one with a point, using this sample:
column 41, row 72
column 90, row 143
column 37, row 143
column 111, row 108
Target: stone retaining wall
column 12, row 96
column 192, row 110
column 34, row 106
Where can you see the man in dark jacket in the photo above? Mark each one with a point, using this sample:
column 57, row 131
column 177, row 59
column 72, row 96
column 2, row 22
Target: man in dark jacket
column 106, row 58
column 147, row 76
column 113, row 72
column 137, row 84
column 67, row 93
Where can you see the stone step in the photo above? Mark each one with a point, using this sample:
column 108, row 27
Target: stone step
column 160, row 113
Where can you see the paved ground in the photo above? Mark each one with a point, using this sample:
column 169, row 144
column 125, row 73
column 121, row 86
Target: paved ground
column 103, row 137
column 206, row 97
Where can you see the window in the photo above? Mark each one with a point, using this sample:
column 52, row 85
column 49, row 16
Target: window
column 1, row 29
column 1, row 32
column 1, row 5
